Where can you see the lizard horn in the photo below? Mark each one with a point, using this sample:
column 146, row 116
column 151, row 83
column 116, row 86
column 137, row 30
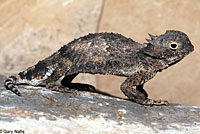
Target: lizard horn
column 149, row 41
column 152, row 36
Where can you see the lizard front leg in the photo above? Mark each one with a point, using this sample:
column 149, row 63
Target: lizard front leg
column 132, row 87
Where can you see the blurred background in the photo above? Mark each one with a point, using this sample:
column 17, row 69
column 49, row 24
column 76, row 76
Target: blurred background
column 31, row 30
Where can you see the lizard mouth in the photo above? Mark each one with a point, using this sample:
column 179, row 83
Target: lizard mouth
column 172, row 63
column 167, row 64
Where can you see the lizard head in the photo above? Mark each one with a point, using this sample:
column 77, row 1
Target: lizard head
column 170, row 47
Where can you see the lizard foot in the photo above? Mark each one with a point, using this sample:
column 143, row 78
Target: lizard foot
column 151, row 102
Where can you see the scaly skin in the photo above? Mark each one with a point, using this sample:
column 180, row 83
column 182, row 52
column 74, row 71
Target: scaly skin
column 108, row 53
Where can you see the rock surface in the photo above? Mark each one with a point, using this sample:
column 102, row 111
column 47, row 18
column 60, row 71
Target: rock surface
column 41, row 111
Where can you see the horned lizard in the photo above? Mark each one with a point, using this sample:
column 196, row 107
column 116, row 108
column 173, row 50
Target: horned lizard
column 108, row 54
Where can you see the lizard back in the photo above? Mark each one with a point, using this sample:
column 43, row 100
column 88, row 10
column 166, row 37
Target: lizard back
column 103, row 53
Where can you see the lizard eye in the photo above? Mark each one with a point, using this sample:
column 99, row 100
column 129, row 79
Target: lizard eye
column 173, row 45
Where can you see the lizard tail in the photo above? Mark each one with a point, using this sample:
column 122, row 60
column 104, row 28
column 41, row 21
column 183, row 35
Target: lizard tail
column 10, row 85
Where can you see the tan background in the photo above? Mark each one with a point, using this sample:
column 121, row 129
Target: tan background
column 31, row 30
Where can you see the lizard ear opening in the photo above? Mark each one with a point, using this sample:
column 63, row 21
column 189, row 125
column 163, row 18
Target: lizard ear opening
column 148, row 50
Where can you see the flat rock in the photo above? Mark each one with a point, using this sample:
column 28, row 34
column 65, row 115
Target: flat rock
column 40, row 110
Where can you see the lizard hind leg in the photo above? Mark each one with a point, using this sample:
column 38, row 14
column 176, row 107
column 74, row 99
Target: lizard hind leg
column 67, row 82
column 10, row 83
column 68, row 79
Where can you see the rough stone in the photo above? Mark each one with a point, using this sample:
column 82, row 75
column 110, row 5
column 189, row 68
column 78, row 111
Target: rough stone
column 41, row 111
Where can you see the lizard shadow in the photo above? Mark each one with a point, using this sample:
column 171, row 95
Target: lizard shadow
column 89, row 88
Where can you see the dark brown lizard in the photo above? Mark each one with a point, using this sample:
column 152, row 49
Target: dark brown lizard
column 108, row 54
